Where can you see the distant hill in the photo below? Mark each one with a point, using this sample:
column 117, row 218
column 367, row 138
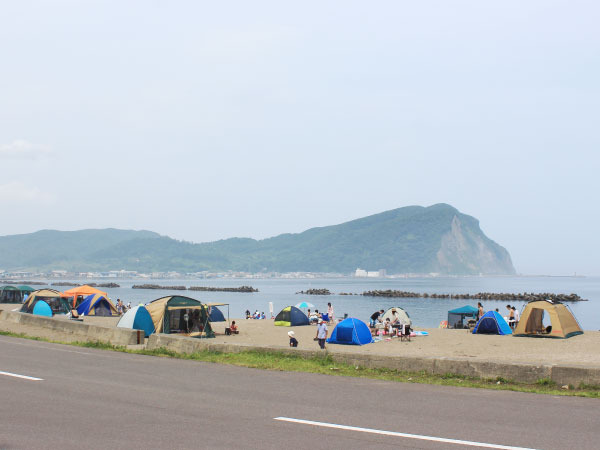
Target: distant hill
column 413, row 239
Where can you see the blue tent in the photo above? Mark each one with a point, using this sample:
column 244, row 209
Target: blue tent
column 352, row 332
column 290, row 316
column 492, row 323
column 137, row 318
column 42, row 308
column 216, row 315
column 96, row 305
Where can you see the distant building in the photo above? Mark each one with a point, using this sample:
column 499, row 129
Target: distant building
column 360, row 273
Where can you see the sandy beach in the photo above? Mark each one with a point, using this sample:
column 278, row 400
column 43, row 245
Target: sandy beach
column 577, row 350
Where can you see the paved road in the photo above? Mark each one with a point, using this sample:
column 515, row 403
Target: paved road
column 99, row 399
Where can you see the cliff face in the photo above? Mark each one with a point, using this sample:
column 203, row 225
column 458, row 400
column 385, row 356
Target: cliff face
column 413, row 239
column 464, row 249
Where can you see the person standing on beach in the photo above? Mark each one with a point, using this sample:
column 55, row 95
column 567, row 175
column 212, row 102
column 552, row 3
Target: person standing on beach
column 322, row 333
column 330, row 313
column 480, row 311
column 375, row 317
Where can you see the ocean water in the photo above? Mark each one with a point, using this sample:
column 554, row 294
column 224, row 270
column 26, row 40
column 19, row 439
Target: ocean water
column 424, row 312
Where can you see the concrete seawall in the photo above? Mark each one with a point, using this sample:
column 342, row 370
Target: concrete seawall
column 76, row 330
column 525, row 373
column 63, row 329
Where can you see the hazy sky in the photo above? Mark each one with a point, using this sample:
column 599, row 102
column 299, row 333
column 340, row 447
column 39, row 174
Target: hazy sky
column 207, row 120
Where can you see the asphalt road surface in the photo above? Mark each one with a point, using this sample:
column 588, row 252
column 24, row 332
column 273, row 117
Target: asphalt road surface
column 87, row 398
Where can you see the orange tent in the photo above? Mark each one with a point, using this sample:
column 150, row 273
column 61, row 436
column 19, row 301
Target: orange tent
column 79, row 293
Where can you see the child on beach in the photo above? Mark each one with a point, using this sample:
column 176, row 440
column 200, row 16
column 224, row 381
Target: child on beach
column 293, row 340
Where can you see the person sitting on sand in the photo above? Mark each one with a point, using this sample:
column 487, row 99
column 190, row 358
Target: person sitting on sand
column 293, row 340
column 388, row 326
column 233, row 328
column 314, row 317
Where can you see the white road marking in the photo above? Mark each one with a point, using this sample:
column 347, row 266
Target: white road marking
column 52, row 348
column 25, row 377
column 404, row 435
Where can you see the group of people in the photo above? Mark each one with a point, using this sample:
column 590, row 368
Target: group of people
column 391, row 326
column 122, row 308
column 512, row 318
column 256, row 315
column 315, row 316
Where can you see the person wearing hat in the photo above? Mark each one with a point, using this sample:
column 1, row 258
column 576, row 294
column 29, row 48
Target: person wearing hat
column 293, row 340
column 321, row 333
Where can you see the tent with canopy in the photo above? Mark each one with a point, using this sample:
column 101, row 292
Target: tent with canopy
column 456, row 317
column 178, row 314
column 10, row 294
column 59, row 303
column 80, row 293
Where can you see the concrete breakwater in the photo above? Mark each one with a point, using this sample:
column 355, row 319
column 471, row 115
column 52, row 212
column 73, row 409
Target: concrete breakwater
column 479, row 296
column 196, row 288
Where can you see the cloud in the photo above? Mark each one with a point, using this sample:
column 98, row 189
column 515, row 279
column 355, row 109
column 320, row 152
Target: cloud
column 22, row 149
column 16, row 193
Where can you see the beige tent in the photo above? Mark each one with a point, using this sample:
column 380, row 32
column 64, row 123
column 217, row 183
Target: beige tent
column 564, row 324
column 178, row 314
column 402, row 315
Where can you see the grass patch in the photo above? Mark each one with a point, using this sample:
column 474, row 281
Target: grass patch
column 324, row 364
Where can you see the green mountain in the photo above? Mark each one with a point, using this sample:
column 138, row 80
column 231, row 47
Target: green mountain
column 413, row 239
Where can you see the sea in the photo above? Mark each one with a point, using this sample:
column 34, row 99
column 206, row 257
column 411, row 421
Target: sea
column 424, row 312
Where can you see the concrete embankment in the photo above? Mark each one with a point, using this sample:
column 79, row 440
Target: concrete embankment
column 65, row 330
column 525, row 373
column 69, row 330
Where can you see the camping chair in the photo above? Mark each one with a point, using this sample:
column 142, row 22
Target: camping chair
column 325, row 318
column 404, row 332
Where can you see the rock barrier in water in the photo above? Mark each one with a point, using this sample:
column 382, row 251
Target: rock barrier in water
column 156, row 286
column 315, row 292
column 526, row 297
column 196, row 288
column 223, row 289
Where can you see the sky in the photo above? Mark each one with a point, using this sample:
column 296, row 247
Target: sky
column 208, row 120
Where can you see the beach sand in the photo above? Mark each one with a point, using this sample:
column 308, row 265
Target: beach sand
column 577, row 350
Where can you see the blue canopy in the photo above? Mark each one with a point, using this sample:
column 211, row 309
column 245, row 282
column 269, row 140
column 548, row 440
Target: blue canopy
column 492, row 323
column 351, row 331
column 470, row 310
